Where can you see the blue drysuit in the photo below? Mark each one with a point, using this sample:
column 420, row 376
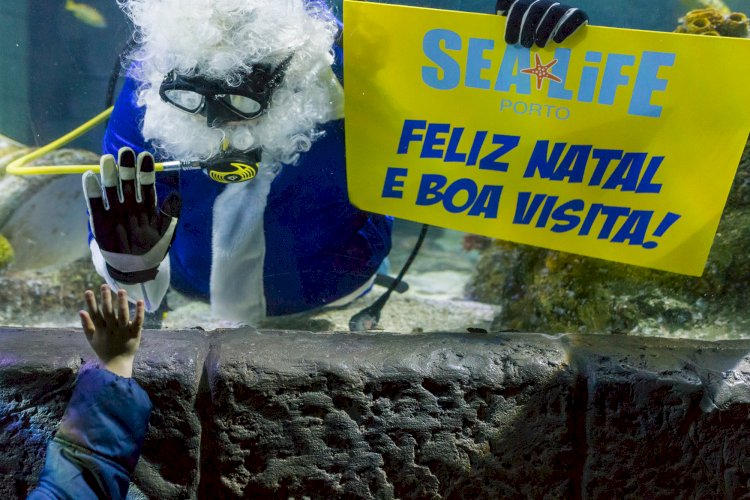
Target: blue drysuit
column 319, row 247
column 99, row 440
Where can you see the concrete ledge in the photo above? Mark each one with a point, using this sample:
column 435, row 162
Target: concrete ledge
column 271, row 414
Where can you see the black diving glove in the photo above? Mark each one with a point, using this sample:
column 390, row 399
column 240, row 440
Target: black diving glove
column 536, row 21
column 133, row 235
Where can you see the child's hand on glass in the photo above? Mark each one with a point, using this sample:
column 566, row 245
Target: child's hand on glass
column 114, row 338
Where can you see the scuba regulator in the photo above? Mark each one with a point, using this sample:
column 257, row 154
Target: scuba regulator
column 226, row 169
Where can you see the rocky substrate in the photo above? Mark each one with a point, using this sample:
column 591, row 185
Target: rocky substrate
column 282, row 414
column 51, row 297
column 549, row 291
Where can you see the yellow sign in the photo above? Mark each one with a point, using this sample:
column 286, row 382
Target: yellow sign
column 617, row 144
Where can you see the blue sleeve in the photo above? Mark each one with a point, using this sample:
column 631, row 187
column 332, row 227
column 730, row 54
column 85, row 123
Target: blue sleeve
column 99, row 440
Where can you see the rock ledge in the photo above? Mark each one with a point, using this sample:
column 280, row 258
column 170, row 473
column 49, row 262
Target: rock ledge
column 280, row 414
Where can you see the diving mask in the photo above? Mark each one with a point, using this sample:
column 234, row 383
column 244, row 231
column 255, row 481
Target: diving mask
column 219, row 102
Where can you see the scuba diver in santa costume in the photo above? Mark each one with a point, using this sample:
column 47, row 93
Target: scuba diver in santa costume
column 254, row 87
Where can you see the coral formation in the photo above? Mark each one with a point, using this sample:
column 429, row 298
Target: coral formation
column 549, row 291
column 712, row 22
column 735, row 25
column 476, row 242
column 38, row 297
column 6, row 253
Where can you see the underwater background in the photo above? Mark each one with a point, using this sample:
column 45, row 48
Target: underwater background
column 58, row 58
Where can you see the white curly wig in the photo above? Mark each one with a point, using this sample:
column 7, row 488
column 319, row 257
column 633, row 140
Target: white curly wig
column 223, row 39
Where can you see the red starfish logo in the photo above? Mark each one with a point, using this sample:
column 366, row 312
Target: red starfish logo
column 541, row 71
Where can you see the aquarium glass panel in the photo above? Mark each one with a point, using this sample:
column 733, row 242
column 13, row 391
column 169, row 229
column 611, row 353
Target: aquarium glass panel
column 63, row 66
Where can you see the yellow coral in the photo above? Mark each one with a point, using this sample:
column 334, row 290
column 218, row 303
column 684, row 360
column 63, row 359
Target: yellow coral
column 712, row 22
column 698, row 25
column 6, row 252
column 711, row 16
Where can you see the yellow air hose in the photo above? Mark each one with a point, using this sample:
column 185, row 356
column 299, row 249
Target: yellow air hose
column 17, row 167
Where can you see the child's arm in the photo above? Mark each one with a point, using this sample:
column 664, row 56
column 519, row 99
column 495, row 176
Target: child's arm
column 101, row 434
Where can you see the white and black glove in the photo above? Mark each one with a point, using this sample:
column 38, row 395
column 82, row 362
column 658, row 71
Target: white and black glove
column 537, row 21
column 133, row 235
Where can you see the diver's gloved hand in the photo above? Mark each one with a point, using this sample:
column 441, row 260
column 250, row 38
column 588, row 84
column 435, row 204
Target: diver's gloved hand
column 536, row 21
column 133, row 235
